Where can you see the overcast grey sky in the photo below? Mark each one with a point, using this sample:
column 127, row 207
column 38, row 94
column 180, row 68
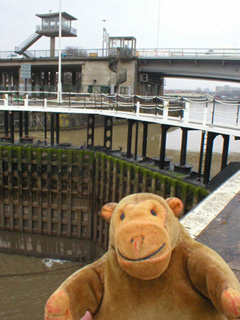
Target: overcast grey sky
column 182, row 23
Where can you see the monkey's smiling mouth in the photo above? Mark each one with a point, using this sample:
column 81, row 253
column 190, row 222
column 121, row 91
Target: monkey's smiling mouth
column 145, row 258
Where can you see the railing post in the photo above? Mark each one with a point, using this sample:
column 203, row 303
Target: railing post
column 137, row 108
column 45, row 102
column 186, row 112
column 165, row 110
column 213, row 112
column 205, row 114
column 26, row 101
column 6, row 100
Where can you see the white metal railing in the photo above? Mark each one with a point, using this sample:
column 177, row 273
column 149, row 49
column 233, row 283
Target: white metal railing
column 189, row 52
column 197, row 113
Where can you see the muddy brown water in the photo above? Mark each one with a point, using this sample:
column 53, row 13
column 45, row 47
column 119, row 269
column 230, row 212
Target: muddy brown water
column 27, row 282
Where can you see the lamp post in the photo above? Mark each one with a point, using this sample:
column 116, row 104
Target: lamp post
column 59, row 87
column 159, row 6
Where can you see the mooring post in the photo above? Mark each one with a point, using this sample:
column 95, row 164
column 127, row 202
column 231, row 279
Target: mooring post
column 208, row 160
column 186, row 112
column 145, row 134
column 165, row 110
column 226, row 139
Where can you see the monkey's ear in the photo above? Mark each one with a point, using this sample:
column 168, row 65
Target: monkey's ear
column 107, row 211
column 176, row 205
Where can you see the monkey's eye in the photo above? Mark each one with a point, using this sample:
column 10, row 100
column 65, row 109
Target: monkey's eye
column 122, row 216
column 154, row 213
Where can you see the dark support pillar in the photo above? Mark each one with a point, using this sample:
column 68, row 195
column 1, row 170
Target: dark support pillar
column 200, row 163
column 90, row 130
column 136, row 141
column 26, row 124
column 207, row 168
column 145, row 134
column 164, row 130
column 6, row 123
column 57, row 128
column 129, row 140
column 108, row 121
column 52, row 129
column 45, row 127
column 12, row 126
column 20, row 118
column 184, row 147
column 225, row 151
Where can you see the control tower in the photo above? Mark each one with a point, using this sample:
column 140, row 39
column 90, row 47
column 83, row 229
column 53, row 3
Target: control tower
column 49, row 28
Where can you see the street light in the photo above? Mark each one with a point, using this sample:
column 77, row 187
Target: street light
column 59, row 87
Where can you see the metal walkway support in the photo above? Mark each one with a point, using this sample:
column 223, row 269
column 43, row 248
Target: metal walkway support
column 90, row 130
column 144, row 144
column 129, row 139
column 207, row 168
column 164, row 130
column 108, row 124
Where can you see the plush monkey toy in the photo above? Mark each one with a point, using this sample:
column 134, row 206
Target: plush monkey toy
column 152, row 270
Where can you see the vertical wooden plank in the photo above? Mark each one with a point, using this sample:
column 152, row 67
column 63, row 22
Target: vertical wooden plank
column 10, row 178
column 121, row 180
column 128, row 189
column 69, row 194
column 29, row 178
column 114, row 185
column 91, row 204
column 20, row 193
column 107, row 182
column 80, row 195
column 102, row 183
column 39, row 188
column 49, row 198
column 1, row 190
column 136, row 180
column 59, row 202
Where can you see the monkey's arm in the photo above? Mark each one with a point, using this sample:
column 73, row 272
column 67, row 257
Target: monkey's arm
column 213, row 278
column 82, row 291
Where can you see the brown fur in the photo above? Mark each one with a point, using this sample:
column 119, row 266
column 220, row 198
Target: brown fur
column 153, row 270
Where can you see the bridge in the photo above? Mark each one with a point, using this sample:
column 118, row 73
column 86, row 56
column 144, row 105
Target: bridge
column 144, row 69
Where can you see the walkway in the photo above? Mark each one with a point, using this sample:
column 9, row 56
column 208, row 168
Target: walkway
column 193, row 113
column 216, row 222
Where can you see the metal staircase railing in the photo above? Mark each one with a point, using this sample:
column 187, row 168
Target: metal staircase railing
column 27, row 43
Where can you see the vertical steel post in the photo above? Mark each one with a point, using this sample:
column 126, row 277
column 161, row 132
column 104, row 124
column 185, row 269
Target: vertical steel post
column 90, row 130
column 45, row 127
column 164, row 130
column 136, row 141
column 225, row 150
column 26, row 124
column 20, row 118
column 129, row 139
column 12, row 126
column 201, row 154
column 207, row 168
column 145, row 134
column 184, row 147
column 57, row 128
column 52, row 129
column 6, row 123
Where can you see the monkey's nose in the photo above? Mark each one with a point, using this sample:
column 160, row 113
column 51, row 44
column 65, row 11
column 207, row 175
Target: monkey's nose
column 137, row 242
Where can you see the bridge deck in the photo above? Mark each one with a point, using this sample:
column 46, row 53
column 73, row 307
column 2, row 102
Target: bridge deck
column 207, row 116
column 216, row 222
